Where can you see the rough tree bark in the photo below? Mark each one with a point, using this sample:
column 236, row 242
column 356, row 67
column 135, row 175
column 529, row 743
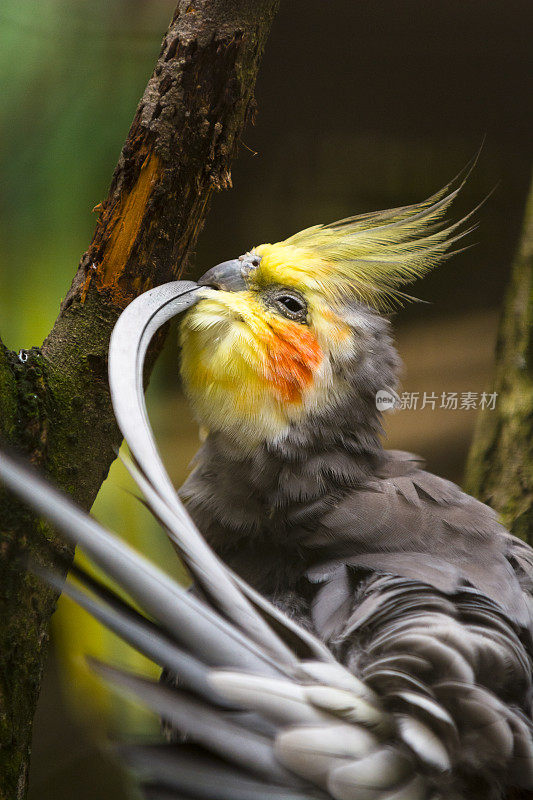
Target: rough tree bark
column 54, row 401
column 500, row 463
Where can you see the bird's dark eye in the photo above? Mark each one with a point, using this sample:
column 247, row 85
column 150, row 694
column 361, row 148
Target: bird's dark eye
column 291, row 304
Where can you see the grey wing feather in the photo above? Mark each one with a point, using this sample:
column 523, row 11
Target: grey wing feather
column 441, row 674
column 380, row 528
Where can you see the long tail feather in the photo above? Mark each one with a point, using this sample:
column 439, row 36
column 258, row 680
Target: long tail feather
column 204, row 725
column 127, row 350
column 193, row 623
column 188, row 769
column 145, row 637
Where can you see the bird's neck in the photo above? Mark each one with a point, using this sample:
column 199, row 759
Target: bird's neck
column 258, row 510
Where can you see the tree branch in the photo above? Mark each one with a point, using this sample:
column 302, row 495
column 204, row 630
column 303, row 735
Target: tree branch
column 54, row 402
column 500, row 464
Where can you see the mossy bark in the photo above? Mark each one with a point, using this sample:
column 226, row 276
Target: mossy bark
column 500, row 464
column 55, row 407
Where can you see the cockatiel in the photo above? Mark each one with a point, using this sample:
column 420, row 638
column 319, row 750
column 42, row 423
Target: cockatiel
column 359, row 628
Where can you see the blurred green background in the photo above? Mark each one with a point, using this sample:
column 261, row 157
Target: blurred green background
column 361, row 106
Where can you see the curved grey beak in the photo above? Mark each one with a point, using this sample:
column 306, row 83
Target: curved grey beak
column 228, row 276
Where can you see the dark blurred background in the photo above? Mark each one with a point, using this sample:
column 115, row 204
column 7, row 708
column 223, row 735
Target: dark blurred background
column 360, row 106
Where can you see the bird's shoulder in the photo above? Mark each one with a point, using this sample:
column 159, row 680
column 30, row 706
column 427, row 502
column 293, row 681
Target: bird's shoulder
column 408, row 522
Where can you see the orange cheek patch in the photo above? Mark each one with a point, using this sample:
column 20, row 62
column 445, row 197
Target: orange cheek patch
column 293, row 354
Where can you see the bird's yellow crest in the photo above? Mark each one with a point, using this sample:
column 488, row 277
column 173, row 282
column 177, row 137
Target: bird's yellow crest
column 367, row 256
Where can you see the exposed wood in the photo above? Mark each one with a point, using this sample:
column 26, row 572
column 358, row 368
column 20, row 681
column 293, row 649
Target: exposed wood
column 54, row 401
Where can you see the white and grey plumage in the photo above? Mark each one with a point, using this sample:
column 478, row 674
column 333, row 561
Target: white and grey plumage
column 392, row 658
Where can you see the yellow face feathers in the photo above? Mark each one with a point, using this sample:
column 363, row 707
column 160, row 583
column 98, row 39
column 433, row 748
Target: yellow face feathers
column 367, row 257
column 251, row 372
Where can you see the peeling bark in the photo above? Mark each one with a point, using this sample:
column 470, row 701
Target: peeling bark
column 54, row 401
column 500, row 464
